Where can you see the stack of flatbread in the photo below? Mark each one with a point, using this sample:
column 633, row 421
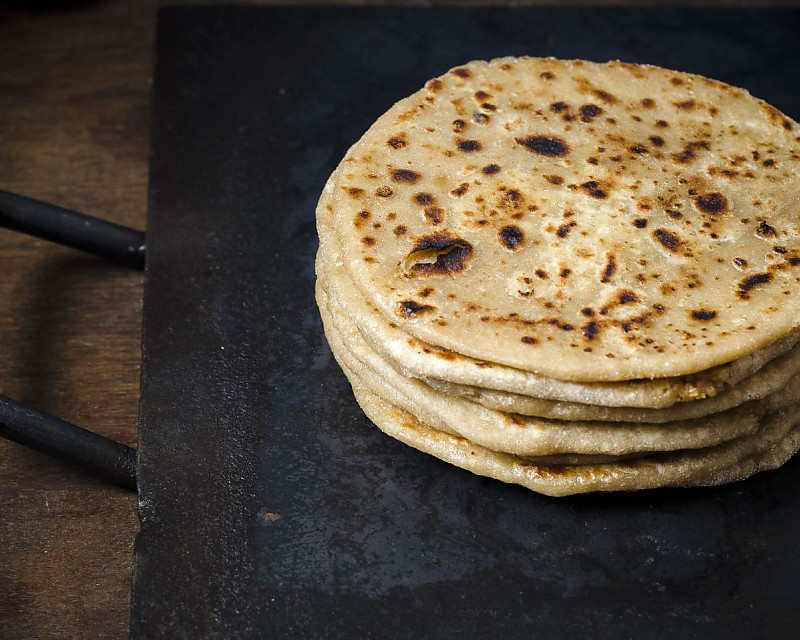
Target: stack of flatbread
column 572, row 276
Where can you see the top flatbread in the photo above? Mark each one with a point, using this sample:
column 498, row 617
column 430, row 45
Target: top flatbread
column 587, row 222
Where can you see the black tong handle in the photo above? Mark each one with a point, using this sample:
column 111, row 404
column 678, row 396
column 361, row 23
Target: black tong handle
column 40, row 431
column 49, row 222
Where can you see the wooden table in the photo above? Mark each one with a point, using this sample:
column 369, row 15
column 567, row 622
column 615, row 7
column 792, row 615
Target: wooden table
column 74, row 130
column 74, row 127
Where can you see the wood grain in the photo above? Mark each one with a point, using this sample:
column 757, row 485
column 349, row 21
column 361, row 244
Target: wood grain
column 74, row 127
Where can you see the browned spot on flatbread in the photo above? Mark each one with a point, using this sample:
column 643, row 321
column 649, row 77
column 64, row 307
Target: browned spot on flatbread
column 589, row 112
column 434, row 214
column 438, row 254
column 564, row 229
column 411, row 308
column 397, row 141
column 405, row 175
column 354, row 192
column 564, row 326
column 712, row 203
column 468, row 146
column 751, row 282
column 627, row 296
column 551, row 146
column 511, row 237
column 590, row 330
column 435, row 84
column 667, row 239
column 689, row 152
column 610, row 268
column 605, row 96
column 360, row 218
column 593, row 189
column 765, row 230
column 460, row 190
column 703, row 315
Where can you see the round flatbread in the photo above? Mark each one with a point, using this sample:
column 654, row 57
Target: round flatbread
column 586, row 222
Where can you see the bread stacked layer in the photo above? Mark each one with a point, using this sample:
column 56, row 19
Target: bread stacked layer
column 572, row 276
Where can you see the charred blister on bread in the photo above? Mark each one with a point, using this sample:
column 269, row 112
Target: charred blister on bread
column 438, row 254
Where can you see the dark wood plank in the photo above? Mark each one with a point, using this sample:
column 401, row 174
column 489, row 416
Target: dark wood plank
column 74, row 125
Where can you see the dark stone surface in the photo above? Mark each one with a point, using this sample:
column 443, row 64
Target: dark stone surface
column 270, row 506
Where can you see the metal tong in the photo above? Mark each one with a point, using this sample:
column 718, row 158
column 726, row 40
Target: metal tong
column 26, row 425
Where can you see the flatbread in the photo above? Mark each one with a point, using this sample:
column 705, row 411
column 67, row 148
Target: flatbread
column 417, row 359
column 585, row 222
column 770, row 457
column 774, row 387
column 773, row 445
column 572, row 276
column 521, row 435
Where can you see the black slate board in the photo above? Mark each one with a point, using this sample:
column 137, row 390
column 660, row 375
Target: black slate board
column 245, row 415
